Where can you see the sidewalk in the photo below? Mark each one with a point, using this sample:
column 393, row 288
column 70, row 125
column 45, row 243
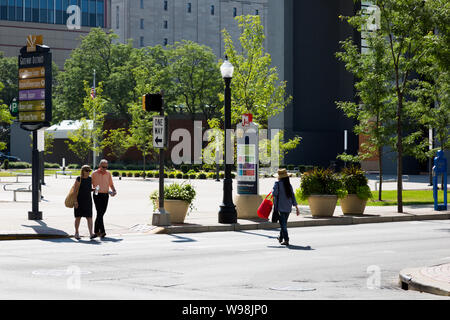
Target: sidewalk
column 435, row 279
column 131, row 211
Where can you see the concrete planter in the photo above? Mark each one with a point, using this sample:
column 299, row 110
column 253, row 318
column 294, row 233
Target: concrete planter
column 351, row 204
column 177, row 210
column 247, row 205
column 322, row 205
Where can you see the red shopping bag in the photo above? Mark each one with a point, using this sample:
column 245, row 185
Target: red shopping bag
column 265, row 208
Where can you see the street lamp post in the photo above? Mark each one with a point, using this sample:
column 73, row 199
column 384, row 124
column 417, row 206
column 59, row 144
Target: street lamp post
column 227, row 211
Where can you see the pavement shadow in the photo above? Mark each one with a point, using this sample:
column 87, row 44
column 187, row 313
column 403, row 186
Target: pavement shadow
column 182, row 239
column 257, row 234
column 108, row 239
column 293, row 247
column 44, row 229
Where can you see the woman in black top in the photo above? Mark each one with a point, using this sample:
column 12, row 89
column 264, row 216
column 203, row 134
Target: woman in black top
column 83, row 204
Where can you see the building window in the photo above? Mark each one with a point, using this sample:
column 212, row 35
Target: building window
column 141, row 41
column 189, row 7
column 142, row 24
column 117, row 17
column 166, row 24
column 234, row 12
column 165, row 41
column 212, row 10
column 165, row 5
column 142, row 4
column 257, row 12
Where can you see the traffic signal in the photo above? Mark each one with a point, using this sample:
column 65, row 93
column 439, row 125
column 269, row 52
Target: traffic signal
column 152, row 102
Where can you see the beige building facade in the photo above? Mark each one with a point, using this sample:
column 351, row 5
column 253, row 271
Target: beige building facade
column 48, row 18
column 164, row 22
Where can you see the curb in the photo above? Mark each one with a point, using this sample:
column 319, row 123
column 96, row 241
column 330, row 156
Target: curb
column 314, row 222
column 4, row 237
column 265, row 225
column 411, row 279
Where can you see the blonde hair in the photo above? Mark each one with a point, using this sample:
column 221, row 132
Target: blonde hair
column 85, row 168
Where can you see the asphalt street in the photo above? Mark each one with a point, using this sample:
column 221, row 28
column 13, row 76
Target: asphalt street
column 329, row 262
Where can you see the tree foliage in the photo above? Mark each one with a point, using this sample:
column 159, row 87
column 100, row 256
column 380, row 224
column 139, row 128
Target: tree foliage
column 403, row 31
column 255, row 87
column 113, row 63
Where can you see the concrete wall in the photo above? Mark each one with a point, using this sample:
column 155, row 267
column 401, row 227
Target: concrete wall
column 303, row 48
column 199, row 25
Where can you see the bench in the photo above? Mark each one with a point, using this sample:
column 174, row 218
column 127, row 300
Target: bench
column 18, row 190
column 22, row 175
column 404, row 178
column 63, row 173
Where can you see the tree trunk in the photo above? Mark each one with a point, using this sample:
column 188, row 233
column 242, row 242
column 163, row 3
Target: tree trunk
column 399, row 154
column 380, row 165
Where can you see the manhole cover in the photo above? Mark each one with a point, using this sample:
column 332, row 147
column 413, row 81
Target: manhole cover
column 292, row 288
column 59, row 273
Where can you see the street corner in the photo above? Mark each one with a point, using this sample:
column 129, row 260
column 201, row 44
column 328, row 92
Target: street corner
column 434, row 279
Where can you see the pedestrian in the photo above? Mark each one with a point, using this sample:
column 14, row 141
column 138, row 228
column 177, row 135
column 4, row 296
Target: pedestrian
column 284, row 199
column 102, row 182
column 83, row 203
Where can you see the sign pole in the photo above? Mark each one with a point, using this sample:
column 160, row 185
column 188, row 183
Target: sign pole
column 35, row 106
column 35, row 214
column 161, row 172
column 161, row 217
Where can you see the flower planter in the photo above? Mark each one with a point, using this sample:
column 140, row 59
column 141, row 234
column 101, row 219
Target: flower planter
column 322, row 205
column 351, row 204
column 177, row 210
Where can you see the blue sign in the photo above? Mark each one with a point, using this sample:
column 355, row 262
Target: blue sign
column 440, row 170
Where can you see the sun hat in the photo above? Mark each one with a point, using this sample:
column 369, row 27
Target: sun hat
column 282, row 173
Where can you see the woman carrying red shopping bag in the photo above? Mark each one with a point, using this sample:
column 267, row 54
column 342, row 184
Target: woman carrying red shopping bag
column 284, row 200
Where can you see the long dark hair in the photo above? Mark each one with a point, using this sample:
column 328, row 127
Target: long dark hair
column 287, row 187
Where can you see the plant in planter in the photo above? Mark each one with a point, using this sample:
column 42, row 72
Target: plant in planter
column 358, row 191
column 322, row 188
column 178, row 198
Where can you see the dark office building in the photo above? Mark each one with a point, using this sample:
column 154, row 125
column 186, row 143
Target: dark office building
column 303, row 38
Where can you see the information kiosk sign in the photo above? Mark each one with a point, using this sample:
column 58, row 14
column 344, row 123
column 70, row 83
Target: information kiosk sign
column 247, row 156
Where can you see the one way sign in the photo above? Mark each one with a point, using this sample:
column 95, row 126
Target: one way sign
column 159, row 132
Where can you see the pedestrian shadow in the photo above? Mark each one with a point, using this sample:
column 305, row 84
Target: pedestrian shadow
column 182, row 239
column 292, row 247
column 107, row 239
column 258, row 234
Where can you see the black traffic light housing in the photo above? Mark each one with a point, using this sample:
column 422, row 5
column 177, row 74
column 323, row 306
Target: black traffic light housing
column 152, row 102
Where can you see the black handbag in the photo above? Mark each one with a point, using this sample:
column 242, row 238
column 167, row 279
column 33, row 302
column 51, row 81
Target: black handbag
column 276, row 214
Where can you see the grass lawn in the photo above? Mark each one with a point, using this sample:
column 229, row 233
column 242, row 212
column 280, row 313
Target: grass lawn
column 410, row 197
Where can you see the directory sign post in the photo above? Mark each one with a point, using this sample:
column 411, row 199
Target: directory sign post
column 35, row 87
column 35, row 105
column 247, row 156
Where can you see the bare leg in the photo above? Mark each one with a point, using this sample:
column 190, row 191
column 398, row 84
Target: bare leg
column 89, row 222
column 77, row 226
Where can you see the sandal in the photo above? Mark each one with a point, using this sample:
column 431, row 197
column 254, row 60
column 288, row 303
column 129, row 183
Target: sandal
column 77, row 236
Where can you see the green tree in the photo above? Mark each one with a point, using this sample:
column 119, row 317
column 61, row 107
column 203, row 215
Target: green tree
column 373, row 111
column 404, row 25
column 195, row 78
column 256, row 87
column 90, row 133
column 5, row 120
column 141, row 131
column 117, row 142
column 113, row 63
column 8, row 75
column 433, row 87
